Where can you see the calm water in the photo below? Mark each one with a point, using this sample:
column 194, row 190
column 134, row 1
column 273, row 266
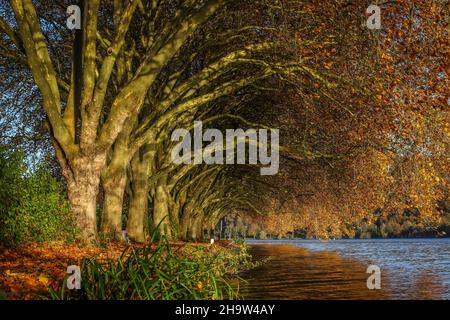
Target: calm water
column 310, row 269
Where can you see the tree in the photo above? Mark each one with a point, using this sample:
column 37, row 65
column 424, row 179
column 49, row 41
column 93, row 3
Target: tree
column 362, row 112
column 75, row 99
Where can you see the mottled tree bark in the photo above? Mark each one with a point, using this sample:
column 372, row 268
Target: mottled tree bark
column 114, row 190
column 184, row 225
column 176, row 213
column 194, row 228
column 83, row 186
column 161, row 215
column 141, row 168
column 114, row 179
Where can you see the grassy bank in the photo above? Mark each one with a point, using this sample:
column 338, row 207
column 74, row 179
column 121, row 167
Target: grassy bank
column 162, row 273
column 161, row 270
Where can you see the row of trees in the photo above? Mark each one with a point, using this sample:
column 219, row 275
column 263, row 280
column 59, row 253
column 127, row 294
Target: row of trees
column 112, row 91
column 352, row 109
column 404, row 163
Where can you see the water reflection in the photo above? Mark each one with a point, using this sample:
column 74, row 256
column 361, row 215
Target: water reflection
column 428, row 286
column 304, row 269
column 295, row 273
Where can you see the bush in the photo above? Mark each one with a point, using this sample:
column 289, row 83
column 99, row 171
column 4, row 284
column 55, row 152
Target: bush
column 32, row 204
column 262, row 235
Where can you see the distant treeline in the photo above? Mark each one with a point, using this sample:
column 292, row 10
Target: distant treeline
column 406, row 224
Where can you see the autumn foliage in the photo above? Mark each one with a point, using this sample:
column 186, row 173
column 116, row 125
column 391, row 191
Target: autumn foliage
column 363, row 118
column 379, row 137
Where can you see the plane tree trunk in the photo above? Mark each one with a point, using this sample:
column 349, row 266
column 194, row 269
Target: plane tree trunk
column 138, row 208
column 161, row 215
column 83, row 181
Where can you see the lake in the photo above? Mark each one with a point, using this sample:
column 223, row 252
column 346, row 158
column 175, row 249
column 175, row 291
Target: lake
column 336, row 269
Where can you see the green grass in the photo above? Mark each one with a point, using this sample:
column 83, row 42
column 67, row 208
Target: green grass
column 162, row 274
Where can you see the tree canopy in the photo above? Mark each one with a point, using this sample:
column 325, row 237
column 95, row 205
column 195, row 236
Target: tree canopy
column 362, row 113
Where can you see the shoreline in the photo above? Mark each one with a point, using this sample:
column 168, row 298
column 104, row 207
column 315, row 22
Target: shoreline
column 31, row 271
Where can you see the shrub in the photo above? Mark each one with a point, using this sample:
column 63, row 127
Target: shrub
column 32, row 204
column 262, row 235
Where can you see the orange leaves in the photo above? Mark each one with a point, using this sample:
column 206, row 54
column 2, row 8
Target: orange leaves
column 328, row 65
column 28, row 271
column 386, row 57
column 388, row 132
column 390, row 69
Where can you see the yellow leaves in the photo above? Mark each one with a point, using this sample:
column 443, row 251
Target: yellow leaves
column 8, row 273
column 17, row 283
column 447, row 130
column 386, row 57
column 44, row 279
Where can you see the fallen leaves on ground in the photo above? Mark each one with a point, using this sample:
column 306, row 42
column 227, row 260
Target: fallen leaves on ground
column 28, row 271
